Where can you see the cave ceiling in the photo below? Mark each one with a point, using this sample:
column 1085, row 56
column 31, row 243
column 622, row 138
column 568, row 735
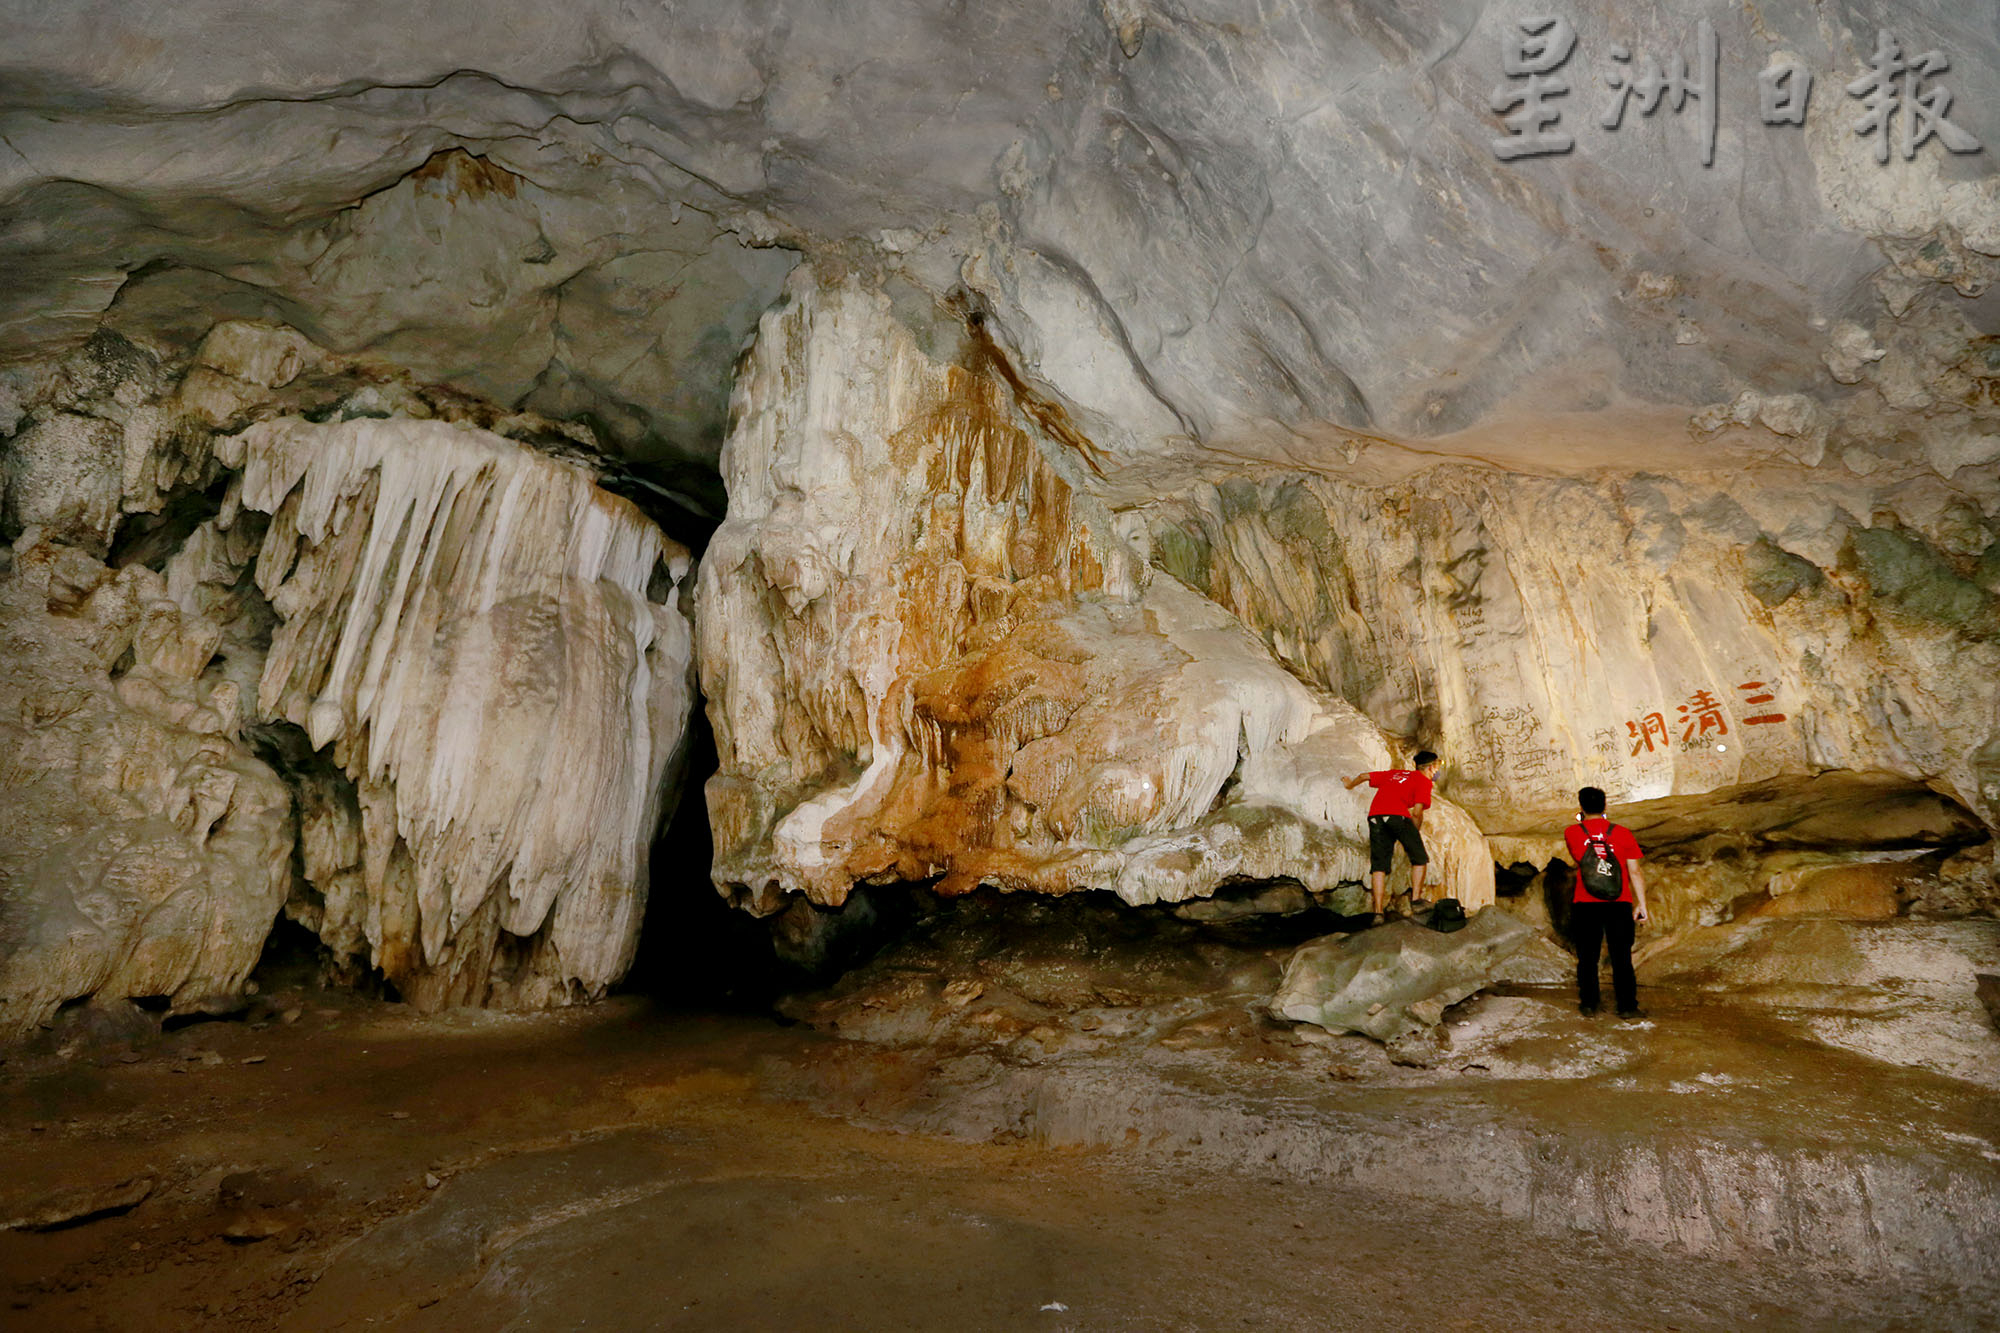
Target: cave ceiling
column 1210, row 230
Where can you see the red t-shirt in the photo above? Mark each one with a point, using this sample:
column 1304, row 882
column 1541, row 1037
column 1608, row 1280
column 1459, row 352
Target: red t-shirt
column 1624, row 847
column 1398, row 789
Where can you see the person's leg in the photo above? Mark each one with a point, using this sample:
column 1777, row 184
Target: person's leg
column 1619, row 931
column 1381, row 855
column 1586, row 931
column 1413, row 843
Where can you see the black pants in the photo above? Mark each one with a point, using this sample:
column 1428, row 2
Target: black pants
column 1384, row 832
column 1610, row 924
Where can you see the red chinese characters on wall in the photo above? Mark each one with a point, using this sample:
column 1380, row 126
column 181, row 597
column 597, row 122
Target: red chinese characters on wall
column 1645, row 729
column 1702, row 716
column 1757, row 693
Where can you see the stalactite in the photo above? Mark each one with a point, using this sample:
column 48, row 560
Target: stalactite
column 465, row 622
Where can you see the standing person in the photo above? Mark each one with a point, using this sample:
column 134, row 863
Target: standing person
column 1402, row 795
column 1610, row 902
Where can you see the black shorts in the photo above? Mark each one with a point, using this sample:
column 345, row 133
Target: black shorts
column 1384, row 832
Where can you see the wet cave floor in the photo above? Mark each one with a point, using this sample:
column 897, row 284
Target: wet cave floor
column 631, row 1166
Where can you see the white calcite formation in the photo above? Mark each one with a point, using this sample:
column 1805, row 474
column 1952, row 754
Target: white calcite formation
column 468, row 662
column 930, row 656
column 146, row 851
column 466, row 623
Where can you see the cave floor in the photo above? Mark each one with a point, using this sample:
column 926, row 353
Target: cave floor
column 629, row 1167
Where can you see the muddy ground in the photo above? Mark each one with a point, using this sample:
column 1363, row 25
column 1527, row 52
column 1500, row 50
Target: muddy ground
column 632, row 1167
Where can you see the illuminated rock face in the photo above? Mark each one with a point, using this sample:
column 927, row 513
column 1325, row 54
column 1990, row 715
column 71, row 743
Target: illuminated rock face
column 147, row 851
column 1304, row 427
column 1656, row 637
column 466, row 623
column 468, row 660
column 929, row 654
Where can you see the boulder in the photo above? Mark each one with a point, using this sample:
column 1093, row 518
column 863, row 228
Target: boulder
column 1395, row 978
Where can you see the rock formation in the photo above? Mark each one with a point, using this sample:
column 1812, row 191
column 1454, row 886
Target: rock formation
column 929, row 653
column 1659, row 636
column 1169, row 412
column 148, row 850
column 1389, row 982
column 468, row 660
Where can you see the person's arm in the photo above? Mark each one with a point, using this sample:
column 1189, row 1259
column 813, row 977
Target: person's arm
column 1638, row 879
column 1356, row 781
column 1417, row 813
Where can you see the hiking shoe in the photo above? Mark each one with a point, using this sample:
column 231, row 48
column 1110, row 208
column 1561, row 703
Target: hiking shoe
column 1630, row 1014
column 1376, row 919
column 1587, row 1010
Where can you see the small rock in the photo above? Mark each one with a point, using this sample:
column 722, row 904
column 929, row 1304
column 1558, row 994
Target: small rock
column 431, row 1181
column 250, row 988
column 1368, row 983
column 1429, row 1011
column 291, row 1016
column 81, row 1204
column 129, row 1057
column 1421, row 1048
column 960, row 993
column 253, row 1059
column 399, row 1115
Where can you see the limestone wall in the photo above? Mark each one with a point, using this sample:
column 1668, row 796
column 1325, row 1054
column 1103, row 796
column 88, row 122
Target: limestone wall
column 929, row 654
column 468, row 661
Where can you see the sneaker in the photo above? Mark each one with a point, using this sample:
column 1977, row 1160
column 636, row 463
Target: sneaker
column 1587, row 1010
column 1631, row 1014
column 1375, row 919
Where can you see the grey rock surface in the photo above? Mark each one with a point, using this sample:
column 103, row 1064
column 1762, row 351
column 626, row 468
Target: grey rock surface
column 1196, row 223
column 1391, row 980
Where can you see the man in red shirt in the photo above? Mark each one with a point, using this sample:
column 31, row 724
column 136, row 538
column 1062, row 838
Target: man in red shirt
column 1609, row 903
column 1402, row 795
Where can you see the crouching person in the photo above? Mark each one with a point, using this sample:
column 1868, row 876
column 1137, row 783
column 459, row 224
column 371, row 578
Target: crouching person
column 1609, row 905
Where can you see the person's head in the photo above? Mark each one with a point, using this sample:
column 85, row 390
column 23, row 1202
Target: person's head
column 1425, row 761
column 1590, row 800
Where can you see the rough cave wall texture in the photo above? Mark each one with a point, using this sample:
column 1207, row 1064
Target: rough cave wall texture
column 1167, row 406
column 468, row 660
column 929, row 654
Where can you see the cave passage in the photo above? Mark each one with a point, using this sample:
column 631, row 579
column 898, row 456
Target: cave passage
column 734, row 666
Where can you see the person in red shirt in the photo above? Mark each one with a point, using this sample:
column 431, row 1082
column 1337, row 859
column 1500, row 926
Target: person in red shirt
column 1609, row 903
column 1402, row 795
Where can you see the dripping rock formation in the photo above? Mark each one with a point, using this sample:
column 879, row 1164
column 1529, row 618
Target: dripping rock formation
column 1124, row 422
column 930, row 654
column 274, row 642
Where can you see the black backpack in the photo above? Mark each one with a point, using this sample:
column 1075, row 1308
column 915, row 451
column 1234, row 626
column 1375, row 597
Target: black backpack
column 1447, row 915
column 1597, row 867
